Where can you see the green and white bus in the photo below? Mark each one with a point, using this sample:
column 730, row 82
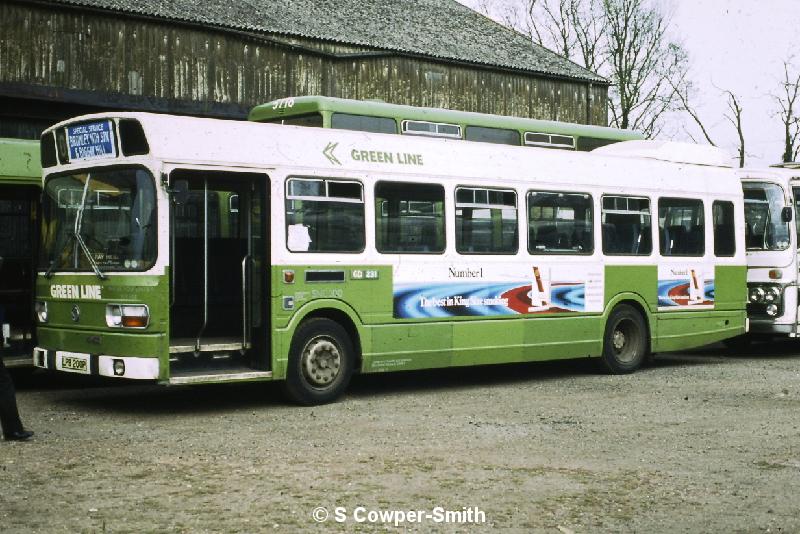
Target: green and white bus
column 380, row 117
column 187, row 250
column 20, row 188
column 771, row 199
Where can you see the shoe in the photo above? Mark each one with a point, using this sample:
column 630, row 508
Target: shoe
column 21, row 435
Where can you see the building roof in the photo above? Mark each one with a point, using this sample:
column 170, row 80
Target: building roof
column 442, row 29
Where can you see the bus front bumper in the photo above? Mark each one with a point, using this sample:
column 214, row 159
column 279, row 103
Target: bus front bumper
column 770, row 327
column 96, row 364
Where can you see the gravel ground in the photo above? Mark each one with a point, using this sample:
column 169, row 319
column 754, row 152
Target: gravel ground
column 700, row 442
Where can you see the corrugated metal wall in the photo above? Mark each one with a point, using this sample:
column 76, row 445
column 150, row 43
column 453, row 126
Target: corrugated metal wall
column 118, row 61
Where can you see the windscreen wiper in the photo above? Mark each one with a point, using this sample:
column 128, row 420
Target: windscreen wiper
column 49, row 273
column 93, row 263
column 77, row 231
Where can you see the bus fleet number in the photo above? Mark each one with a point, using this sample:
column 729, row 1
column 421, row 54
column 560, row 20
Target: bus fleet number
column 283, row 103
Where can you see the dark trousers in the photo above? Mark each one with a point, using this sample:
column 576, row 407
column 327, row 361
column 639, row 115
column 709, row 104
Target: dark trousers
column 9, row 415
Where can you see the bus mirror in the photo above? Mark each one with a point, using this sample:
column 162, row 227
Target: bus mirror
column 179, row 191
column 786, row 214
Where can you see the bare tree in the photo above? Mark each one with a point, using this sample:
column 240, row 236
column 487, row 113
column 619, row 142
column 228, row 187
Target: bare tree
column 684, row 97
column 648, row 70
column 624, row 40
column 789, row 113
column 735, row 118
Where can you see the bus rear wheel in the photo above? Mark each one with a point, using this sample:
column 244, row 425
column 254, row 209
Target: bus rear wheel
column 320, row 362
column 625, row 340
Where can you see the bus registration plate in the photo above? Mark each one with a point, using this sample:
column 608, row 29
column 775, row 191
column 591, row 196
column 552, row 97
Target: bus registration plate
column 73, row 362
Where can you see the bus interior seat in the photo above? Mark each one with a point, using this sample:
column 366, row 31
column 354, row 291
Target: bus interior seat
column 674, row 239
column 581, row 237
column 694, row 240
column 548, row 237
column 609, row 236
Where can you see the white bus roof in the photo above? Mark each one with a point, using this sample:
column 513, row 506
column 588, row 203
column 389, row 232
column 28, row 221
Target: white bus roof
column 671, row 151
column 318, row 151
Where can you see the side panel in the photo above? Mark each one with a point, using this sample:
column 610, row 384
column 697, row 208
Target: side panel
column 684, row 329
column 391, row 343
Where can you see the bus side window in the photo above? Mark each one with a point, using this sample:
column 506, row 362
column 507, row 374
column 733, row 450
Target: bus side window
column 324, row 215
column 560, row 223
column 626, row 227
column 681, row 227
column 724, row 238
column 486, row 221
column 409, row 218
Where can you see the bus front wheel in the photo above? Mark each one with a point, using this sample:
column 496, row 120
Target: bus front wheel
column 320, row 362
column 625, row 340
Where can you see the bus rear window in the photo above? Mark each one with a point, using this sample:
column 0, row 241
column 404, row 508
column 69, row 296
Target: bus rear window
column 324, row 215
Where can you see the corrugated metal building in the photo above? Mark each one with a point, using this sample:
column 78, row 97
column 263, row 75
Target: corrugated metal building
column 59, row 58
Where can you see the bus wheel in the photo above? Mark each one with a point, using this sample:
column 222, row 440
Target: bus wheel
column 320, row 362
column 625, row 340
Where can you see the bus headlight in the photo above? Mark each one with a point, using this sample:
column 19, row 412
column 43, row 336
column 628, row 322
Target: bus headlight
column 772, row 295
column 41, row 311
column 127, row 316
column 757, row 295
column 772, row 310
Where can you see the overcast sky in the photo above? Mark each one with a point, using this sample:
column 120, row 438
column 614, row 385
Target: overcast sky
column 738, row 45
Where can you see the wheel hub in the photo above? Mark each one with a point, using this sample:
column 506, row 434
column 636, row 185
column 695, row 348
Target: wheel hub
column 619, row 339
column 321, row 362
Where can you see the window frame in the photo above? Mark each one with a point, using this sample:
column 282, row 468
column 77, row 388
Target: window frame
column 705, row 226
column 456, row 206
column 565, row 252
column 326, row 198
column 507, row 131
column 377, row 214
column 404, row 129
column 714, row 229
column 385, row 120
column 602, row 211
column 549, row 143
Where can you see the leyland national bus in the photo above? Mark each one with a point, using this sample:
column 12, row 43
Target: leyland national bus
column 771, row 239
column 186, row 250
column 380, row 117
column 20, row 188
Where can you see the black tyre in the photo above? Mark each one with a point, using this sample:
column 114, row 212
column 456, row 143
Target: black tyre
column 625, row 343
column 321, row 362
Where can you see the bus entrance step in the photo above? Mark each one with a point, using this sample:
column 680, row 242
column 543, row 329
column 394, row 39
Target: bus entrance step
column 183, row 345
column 218, row 376
column 24, row 360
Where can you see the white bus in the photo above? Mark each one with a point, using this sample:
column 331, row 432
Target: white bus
column 186, row 250
column 771, row 236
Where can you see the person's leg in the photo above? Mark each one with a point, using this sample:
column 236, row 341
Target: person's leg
column 9, row 415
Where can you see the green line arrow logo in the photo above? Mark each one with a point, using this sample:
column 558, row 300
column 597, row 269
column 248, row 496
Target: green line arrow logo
column 328, row 153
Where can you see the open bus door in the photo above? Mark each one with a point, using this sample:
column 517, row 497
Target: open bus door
column 19, row 233
column 219, row 259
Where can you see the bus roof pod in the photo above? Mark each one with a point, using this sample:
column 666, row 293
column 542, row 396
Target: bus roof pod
column 672, row 151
